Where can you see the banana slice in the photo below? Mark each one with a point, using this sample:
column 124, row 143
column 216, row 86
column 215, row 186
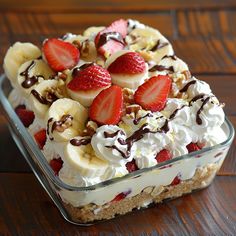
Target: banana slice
column 92, row 31
column 44, row 94
column 31, row 73
column 80, row 154
column 66, row 119
column 151, row 44
column 16, row 55
column 85, row 97
column 124, row 80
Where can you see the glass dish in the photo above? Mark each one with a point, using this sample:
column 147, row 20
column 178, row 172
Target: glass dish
column 119, row 195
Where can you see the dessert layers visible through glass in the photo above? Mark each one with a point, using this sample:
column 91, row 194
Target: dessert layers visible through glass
column 113, row 120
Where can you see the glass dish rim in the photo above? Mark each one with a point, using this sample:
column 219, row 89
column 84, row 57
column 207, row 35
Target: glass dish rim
column 42, row 162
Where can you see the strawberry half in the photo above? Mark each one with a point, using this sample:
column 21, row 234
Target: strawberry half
column 175, row 181
column 128, row 63
column 26, row 116
column 56, row 165
column 163, row 155
column 107, row 106
column 193, row 147
column 92, row 77
column 60, row 55
column 40, row 137
column 111, row 38
column 120, row 196
column 131, row 166
column 152, row 94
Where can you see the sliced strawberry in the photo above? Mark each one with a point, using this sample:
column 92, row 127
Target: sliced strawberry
column 131, row 166
column 128, row 63
column 120, row 196
column 107, row 106
column 60, row 55
column 92, row 77
column 153, row 93
column 111, row 38
column 110, row 47
column 193, row 147
column 56, row 165
column 175, row 181
column 163, row 155
column 40, row 137
column 26, row 116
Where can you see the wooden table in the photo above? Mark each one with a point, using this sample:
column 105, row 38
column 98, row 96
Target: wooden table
column 203, row 34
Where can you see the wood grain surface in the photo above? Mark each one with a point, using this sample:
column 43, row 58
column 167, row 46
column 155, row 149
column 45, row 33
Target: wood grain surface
column 203, row 34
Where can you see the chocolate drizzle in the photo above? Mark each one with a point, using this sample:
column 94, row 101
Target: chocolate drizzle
column 158, row 45
column 58, row 124
column 105, row 37
column 198, row 118
column 136, row 136
column 48, row 100
column 76, row 70
column 185, row 88
column 112, row 135
column 137, row 120
column 173, row 57
column 199, row 96
column 161, row 68
column 79, row 142
column 29, row 80
column 172, row 116
column 49, row 121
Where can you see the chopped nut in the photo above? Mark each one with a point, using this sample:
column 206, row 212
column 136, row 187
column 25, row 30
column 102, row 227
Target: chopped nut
column 88, row 51
column 90, row 129
column 187, row 74
column 76, row 43
column 133, row 109
column 128, row 96
column 62, row 76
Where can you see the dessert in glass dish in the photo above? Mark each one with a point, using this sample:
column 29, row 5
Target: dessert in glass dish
column 120, row 121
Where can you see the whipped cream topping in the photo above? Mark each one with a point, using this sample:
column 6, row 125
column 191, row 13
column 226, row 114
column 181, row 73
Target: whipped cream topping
column 140, row 136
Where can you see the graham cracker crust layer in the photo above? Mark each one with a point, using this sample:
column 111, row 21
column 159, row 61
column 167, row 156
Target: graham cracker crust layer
column 92, row 212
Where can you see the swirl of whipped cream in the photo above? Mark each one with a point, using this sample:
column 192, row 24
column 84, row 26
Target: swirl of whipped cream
column 146, row 148
column 106, row 145
column 196, row 87
column 178, row 111
column 206, row 113
column 181, row 137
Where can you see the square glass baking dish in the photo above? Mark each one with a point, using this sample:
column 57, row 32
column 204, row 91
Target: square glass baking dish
column 88, row 205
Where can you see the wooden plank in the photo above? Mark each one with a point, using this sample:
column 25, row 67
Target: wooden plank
column 114, row 6
column 205, row 51
column 26, row 209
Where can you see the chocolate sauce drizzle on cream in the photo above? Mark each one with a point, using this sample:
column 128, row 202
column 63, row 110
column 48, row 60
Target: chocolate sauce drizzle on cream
column 79, row 142
column 158, row 45
column 161, row 68
column 198, row 118
column 172, row 116
column 29, row 80
column 185, row 88
column 173, row 57
column 48, row 100
column 112, row 135
column 136, row 136
column 105, row 37
column 137, row 120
